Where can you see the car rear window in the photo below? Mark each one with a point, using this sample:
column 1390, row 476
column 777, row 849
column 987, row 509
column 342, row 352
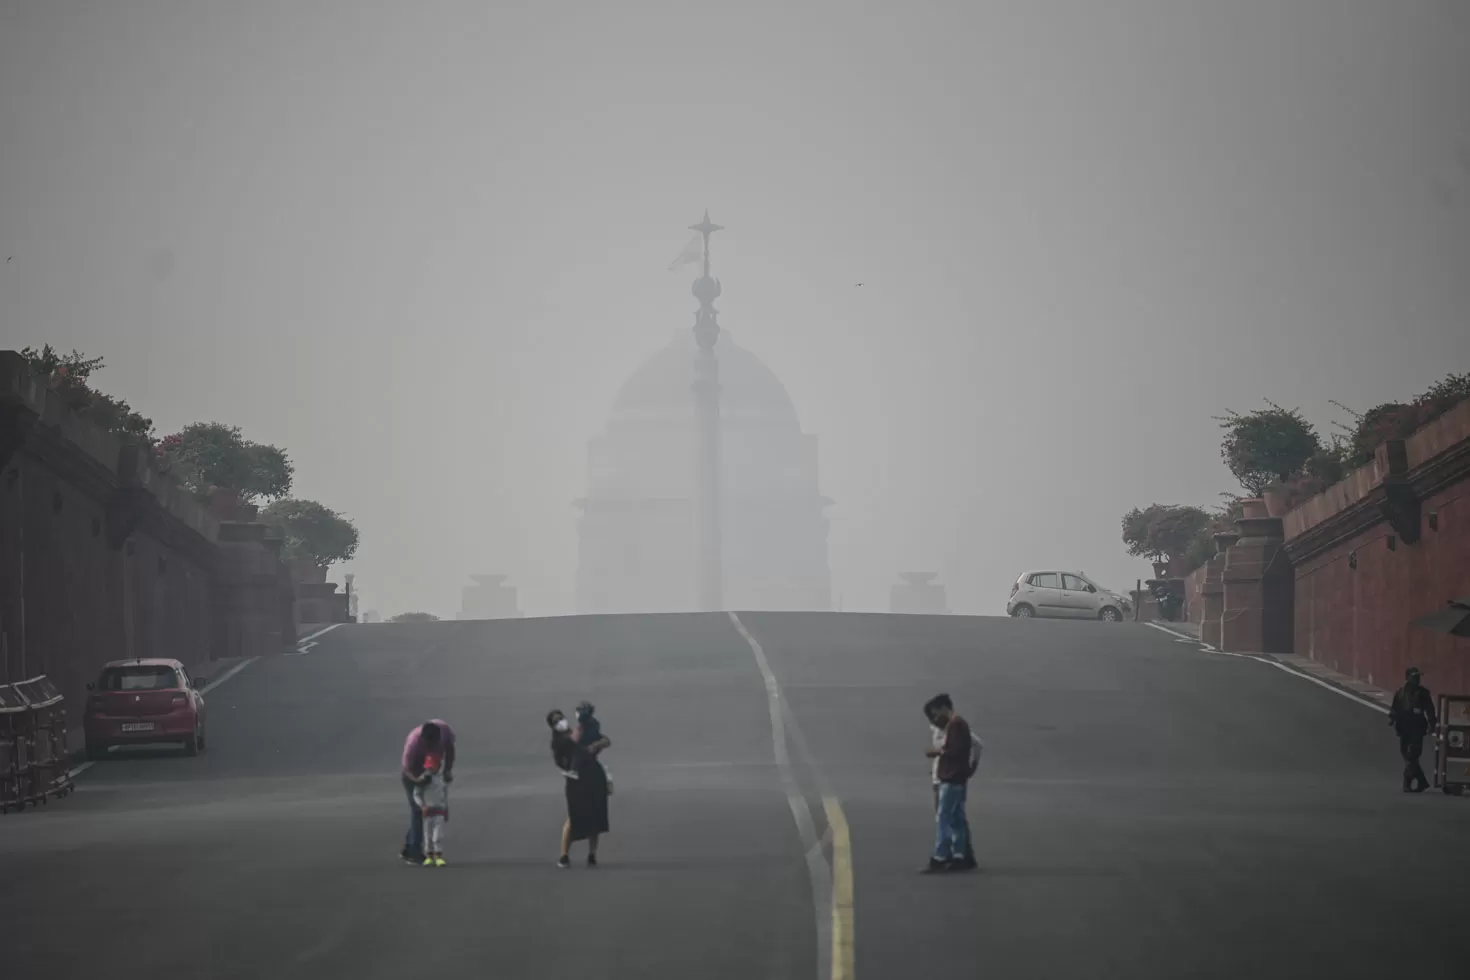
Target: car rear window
column 140, row 678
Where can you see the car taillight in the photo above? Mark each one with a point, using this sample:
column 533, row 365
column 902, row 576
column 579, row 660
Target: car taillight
column 179, row 700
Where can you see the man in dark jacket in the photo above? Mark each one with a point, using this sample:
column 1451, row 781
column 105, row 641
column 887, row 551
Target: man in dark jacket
column 951, row 837
column 1412, row 717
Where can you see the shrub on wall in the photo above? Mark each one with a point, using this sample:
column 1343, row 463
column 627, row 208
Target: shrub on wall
column 313, row 532
column 70, row 375
column 208, row 456
column 1168, row 533
column 1269, row 445
column 1399, row 420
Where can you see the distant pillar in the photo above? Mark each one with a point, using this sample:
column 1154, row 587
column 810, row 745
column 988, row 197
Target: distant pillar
column 489, row 598
column 918, row 594
column 1257, row 614
column 1212, row 591
column 707, row 409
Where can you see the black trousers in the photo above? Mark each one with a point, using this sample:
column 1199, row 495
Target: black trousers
column 1411, row 747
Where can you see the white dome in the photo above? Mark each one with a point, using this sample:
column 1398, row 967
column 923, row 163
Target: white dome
column 661, row 387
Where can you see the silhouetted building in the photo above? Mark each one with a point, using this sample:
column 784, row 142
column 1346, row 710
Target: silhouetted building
column 918, row 593
column 489, row 598
column 649, row 509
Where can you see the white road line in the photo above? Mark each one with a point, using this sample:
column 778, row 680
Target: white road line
column 816, row 862
column 227, row 675
column 1186, row 638
column 82, row 767
column 1358, row 699
column 1321, row 683
column 320, row 632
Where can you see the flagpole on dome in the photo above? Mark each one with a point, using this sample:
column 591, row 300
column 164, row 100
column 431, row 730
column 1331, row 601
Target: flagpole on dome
column 707, row 409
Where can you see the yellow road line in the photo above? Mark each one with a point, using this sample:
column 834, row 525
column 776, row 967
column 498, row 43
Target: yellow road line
column 842, row 926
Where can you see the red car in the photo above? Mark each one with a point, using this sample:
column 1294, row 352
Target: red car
column 137, row 702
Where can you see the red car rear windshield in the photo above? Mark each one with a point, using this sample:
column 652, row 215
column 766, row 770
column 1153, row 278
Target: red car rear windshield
column 140, row 678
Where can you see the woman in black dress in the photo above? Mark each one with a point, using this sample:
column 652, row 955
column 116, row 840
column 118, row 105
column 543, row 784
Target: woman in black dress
column 587, row 788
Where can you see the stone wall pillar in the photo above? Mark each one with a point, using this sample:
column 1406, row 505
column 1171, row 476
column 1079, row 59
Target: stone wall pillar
column 1212, row 590
column 1258, row 586
column 247, row 593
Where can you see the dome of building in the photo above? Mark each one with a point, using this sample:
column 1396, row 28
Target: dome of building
column 660, row 387
column 646, row 521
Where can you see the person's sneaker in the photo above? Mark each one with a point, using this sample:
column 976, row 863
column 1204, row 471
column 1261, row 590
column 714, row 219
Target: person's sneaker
column 592, row 860
column 411, row 858
column 439, row 862
column 966, row 864
column 563, row 862
column 428, row 862
column 936, row 866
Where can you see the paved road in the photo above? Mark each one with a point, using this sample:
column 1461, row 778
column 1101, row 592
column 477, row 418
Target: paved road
column 1145, row 810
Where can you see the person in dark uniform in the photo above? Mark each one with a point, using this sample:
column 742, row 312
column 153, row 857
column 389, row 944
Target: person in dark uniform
column 1412, row 717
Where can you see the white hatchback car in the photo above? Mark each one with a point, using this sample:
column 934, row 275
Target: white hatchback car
column 1064, row 595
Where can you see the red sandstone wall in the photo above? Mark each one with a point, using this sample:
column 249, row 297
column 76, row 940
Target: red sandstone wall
column 84, row 602
column 69, row 600
column 1358, row 620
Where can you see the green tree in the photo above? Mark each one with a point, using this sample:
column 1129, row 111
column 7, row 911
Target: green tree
column 70, row 375
column 313, row 532
column 414, row 617
column 1268, row 445
column 210, row 456
column 1165, row 533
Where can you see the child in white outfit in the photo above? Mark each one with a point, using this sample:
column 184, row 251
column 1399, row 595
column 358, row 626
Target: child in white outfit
column 432, row 797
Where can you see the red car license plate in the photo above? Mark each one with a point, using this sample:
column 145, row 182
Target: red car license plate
column 138, row 726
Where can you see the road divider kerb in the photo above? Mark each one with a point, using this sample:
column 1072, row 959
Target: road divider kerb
column 843, row 948
column 823, row 896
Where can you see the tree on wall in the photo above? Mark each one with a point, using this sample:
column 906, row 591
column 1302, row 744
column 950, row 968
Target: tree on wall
column 1167, row 533
column 210, row 456
column 414, row 617
column 70, row 376
column 1267, row 446
column 313, row 532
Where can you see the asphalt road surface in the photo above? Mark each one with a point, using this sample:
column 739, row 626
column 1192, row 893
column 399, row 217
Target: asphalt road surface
column 1144, row 810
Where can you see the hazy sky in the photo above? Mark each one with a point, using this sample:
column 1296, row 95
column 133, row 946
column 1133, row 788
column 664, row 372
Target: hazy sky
column 420, row 245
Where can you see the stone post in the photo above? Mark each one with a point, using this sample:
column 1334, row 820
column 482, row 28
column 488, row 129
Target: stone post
column 1212, row 590
column 1258, row 586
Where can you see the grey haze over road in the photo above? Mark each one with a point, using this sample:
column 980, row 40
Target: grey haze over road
column 421, row 245
column 1145, row 810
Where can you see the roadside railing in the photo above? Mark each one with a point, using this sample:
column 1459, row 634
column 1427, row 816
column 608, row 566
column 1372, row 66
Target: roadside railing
column 34, row 762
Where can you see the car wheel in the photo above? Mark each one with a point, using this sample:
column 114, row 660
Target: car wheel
column 1023, row 611
column 191, row 745
column 96, row 751
column 202, row 745
column 1110, row 615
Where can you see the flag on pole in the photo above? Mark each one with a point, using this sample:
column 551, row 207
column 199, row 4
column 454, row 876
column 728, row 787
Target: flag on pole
column 693, row 252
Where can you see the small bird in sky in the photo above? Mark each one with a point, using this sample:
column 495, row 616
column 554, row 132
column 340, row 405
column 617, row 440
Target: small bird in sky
column 857, row 284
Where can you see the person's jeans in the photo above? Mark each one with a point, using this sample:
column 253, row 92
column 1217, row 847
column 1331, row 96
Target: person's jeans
column 951, row 829
column 413, row 841
column 969, row 852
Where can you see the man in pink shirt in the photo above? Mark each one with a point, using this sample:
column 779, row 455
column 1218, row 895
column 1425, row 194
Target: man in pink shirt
column 435, row 737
